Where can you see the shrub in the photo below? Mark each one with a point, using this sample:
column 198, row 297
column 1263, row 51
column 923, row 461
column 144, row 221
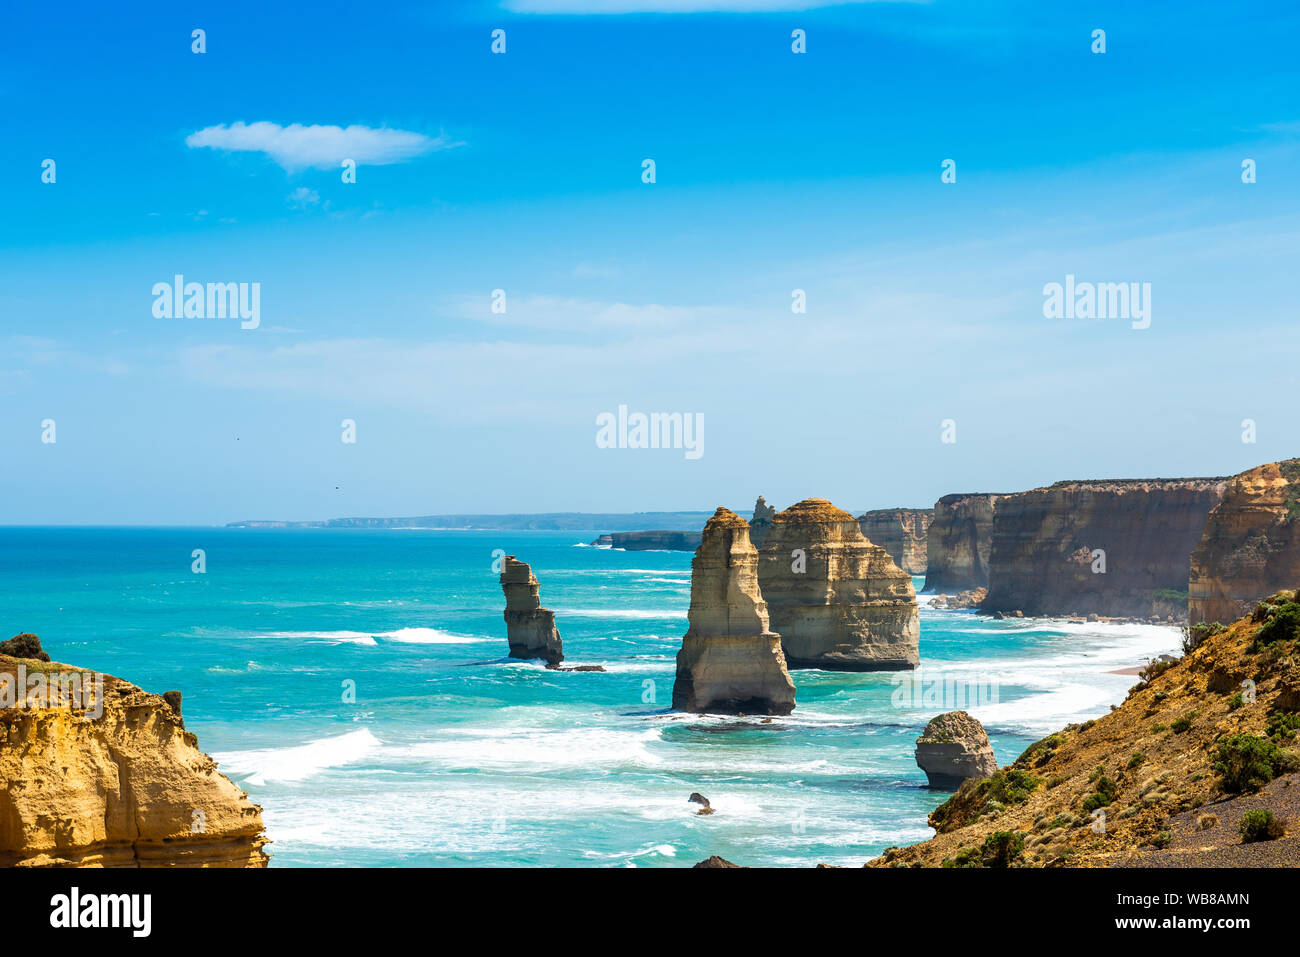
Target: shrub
column 1163, row 839
column 1158, row 727
column 1282, row 625
column 1248, row 762
column 1182, row 724
column 1260, row 825
column 1283, row 725
column 1154, row 669
column 1195, row 634
column 1136, row 760
column 1235, row 702
column 1207, row 821
column 999, row 849
column 1102, row 796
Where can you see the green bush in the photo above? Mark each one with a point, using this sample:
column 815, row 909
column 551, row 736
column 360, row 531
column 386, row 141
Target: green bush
column 1248, row 762
column 1283, row 725
column 1260, row 825
column 1136, row 761
column 1235, row 702
column 999, row 849
column 1102, row 796
column 1195, row 634
column 1163, row 839
column 1182, row 724
column 1282, row 625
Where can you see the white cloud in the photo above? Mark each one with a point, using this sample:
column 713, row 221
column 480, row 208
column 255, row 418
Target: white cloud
column 303, row 198
column 297, row 147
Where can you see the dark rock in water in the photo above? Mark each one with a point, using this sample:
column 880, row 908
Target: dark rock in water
column 25, row 645
column 530, row 628
column 952, row 748
column 716, row 861
column 575, row 668
column 698, row 798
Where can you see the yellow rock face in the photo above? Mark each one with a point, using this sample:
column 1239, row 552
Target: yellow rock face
column 129, row 788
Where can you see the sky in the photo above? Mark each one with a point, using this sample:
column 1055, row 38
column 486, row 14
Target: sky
column 523, row 171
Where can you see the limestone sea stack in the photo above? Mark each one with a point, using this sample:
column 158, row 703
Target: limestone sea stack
column 837, row 600
column 102, row 774
column 952, row 748
column 1110, row 547
column 958, row 542
column 761, row 523
column 730, row 661
column 901, row 532
column 1250, row 546
column 530, row 628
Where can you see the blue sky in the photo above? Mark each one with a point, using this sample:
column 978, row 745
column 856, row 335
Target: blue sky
column 775, row 171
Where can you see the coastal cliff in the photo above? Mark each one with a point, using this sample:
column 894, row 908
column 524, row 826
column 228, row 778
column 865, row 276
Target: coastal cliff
column 837, row 600
column 1180, row 774
column 958, row 542
column 901, row 532
column 661, row 540
column 1116, row 548
column 126, row 788
column 730, row 662
column 1250, row 546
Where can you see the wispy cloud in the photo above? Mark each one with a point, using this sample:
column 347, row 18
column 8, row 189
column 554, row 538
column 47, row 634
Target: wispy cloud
column 297, row 147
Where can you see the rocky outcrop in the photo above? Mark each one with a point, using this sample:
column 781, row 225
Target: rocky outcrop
column 530, row 628
column 958, row 542
column 1117, row 548
column 952, row 748
column 837, row 600
column 761, row 523
column 730, row 662
column 901, row 532
column 109, row 777
column 1250, row 546
column 656, row 540
column 971, row 598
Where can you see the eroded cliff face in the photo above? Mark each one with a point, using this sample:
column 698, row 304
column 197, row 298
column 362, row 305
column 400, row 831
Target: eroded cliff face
column 958, row 542
column 837, row 600
column 530, row 628
column 901, row 532
column 1116, row 548
column 129, row 788
column 730, row 661
column 1250, row 546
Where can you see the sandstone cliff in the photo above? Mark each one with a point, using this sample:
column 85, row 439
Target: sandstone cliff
column 1250, row 546
column 655, row 540
column 128, row 788
column 901, row 532
column 730, row 661
column 1164, row 780
column 1046, row 557
column 958, row 542
column 954, row 747
column 837, row 600
column 530, row 628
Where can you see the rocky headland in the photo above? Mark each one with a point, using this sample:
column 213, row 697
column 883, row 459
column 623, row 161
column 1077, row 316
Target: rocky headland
column 530, row 628
column 1198, row 767
column 838, row 601
column 952, row 748
column 958, row 542
column 1115, row 548
column 1250, row 546
column 902, row 532
column 110, row 778
column 730, row 661
column 659, row 540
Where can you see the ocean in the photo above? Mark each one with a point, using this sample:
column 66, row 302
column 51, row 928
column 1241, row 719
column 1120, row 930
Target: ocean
column 354, row 683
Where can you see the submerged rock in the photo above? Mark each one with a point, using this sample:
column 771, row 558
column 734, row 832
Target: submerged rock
column 730, row 662
column 954, row 747
column 530, row 628
column 837, row 600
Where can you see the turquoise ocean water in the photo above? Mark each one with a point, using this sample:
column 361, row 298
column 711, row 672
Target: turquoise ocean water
column 452, row 755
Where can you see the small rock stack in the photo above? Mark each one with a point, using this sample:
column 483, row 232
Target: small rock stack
column 530, row 628
column 952, row 748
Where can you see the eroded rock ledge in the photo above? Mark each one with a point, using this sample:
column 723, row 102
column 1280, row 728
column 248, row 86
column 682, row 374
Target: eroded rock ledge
column 129, row 788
